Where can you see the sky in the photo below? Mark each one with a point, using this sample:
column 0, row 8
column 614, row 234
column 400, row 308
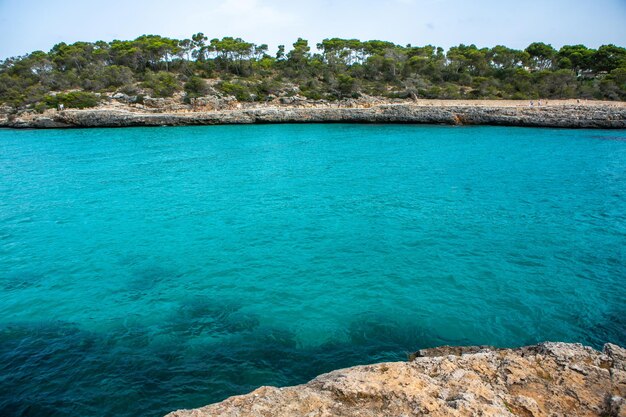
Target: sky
column 29, row 25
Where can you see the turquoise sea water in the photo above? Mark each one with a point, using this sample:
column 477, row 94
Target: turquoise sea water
column 149, row 269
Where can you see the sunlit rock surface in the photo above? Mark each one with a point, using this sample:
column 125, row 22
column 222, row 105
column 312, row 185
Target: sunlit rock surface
column 549, row 379
column 605, row 116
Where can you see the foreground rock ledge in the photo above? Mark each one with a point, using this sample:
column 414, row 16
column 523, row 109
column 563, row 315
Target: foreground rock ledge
column 549, row 379
column 565, row 116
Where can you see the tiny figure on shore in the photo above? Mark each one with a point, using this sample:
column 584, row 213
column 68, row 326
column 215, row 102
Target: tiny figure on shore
column 61, row 106
column 531, row 103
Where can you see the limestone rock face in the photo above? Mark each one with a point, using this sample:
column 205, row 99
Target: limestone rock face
column 549, row 379
column 229, row 112
column 563, row 116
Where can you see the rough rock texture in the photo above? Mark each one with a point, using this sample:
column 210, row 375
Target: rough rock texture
column 549, row 379
column 571, row 116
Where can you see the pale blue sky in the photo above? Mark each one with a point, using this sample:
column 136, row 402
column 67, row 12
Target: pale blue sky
column 27, row 25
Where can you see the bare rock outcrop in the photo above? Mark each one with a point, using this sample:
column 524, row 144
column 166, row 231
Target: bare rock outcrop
column 571, row 116
column 549, row 379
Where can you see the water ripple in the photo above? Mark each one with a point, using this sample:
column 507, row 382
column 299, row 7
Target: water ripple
column 144, row 270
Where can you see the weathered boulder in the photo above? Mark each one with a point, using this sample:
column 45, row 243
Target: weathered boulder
column 121, row 97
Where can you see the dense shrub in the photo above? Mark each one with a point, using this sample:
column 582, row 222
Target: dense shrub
column 75, row 99
column 240, row 91
column 196, row 87
column 162, row 84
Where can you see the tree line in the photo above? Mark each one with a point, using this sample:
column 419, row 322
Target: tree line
column 336, row 69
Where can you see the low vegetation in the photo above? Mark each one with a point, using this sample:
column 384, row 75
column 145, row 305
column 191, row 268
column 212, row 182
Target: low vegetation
column 74, row 74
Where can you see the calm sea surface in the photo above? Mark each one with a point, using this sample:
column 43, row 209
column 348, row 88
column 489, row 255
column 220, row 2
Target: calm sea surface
column 149, row 269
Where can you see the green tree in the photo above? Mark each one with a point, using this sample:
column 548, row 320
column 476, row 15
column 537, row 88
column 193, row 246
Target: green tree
column 576, row 57
column 299, row 56
column 231, row 53
column 541, row 55
column 608, row 58
column 341, row 68
column 501, row 57
column 199, row 48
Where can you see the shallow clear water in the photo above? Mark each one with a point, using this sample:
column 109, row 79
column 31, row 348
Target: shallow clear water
column 145, row 270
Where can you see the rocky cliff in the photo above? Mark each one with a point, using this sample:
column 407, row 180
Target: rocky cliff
column 570, row 116
column 549, row 379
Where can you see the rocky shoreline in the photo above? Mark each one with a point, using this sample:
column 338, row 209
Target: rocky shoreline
column 602, row 116
column 548, row 379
